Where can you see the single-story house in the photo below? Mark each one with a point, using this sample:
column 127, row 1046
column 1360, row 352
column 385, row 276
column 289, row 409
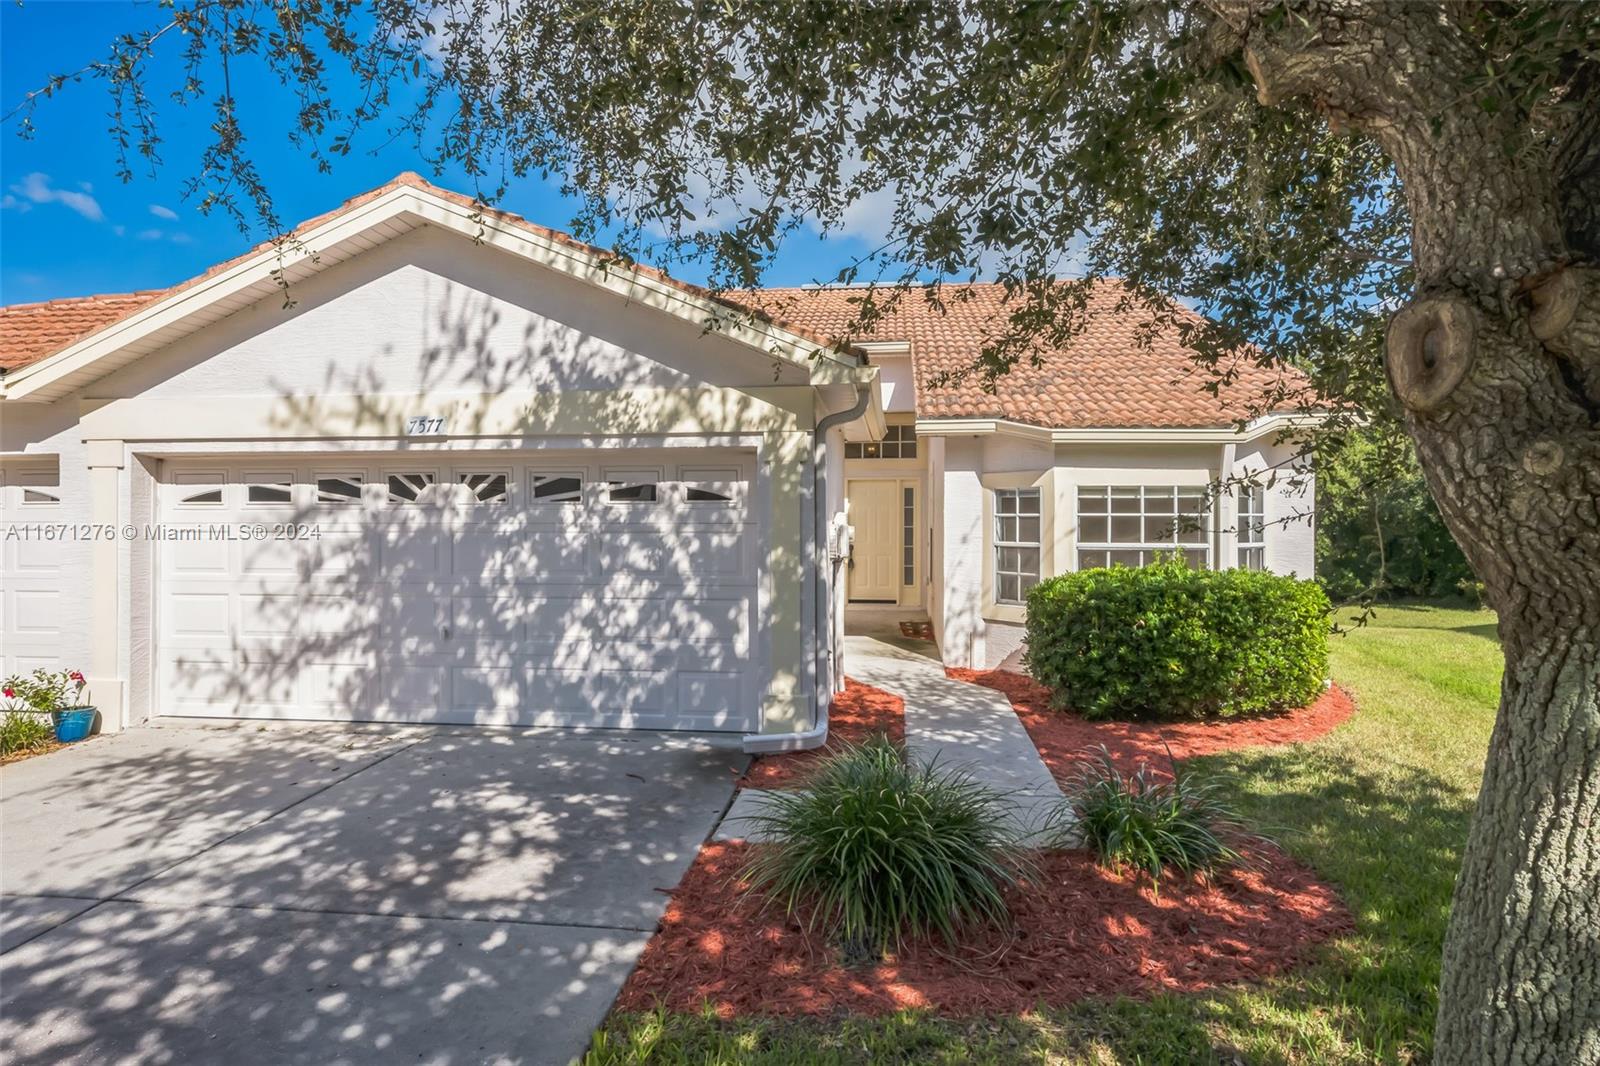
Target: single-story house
column 427, row 462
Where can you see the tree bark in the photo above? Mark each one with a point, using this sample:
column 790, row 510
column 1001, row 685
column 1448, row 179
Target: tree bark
column 1521, row 978
column 1498, row 363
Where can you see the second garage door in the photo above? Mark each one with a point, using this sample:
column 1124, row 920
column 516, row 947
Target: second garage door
column 616, row 592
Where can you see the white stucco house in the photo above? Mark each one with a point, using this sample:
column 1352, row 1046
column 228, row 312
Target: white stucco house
column 429, row 463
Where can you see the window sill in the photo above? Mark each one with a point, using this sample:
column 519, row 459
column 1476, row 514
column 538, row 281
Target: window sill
column 1005, row 612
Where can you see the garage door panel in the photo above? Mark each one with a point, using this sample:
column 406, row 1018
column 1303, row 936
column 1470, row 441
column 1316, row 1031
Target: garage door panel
column 555, row 556
column 577, row 692
column 198, row 557
column 336, row 552
column 716, row 695
column 510, row 612
column 200, row 614
column 487, row 617
column 705, row 555
column 271, row 558
column 37, row 558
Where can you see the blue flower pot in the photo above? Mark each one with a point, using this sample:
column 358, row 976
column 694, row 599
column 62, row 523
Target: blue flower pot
column 74, row 723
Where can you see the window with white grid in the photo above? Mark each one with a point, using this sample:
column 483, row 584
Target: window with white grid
column 899, row 443
column 1133, row 525
column 1016, row 544
column 1252, row 527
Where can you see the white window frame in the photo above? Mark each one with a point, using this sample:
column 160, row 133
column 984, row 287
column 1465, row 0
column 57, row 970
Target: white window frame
column 614, row 478
column 357, row 476
column 721, row 479
column 535, row 475
column 1252, row 533
column 900, row 439
column 1148, row 547
column 423, row 499
column 39, row 480
column 267, row 479
column 209, row 479
column 464, row 472
column 1001, row 544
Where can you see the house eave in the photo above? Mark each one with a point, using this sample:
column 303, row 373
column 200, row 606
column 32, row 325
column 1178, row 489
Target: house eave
column 1259, row 427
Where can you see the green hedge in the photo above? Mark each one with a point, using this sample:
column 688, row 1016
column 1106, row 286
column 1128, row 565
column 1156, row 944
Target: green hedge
column 1168, row 641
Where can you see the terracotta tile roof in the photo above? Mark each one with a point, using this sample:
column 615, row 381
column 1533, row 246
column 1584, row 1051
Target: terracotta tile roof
column 1104, row 377
column 29, row 332
column 32, row 341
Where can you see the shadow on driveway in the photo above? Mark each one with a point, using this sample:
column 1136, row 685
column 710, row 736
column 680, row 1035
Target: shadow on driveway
column 338, row 896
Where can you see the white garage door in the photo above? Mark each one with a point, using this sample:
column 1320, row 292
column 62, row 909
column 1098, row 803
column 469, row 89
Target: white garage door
column 32, row 544
column 614, row 592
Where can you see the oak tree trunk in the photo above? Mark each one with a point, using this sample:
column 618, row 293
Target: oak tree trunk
column 1497, row 362
column 1521, row 978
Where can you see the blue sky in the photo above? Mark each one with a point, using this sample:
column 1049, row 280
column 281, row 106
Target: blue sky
column 69, row 226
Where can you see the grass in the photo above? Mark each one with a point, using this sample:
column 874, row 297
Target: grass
column 1380, row 808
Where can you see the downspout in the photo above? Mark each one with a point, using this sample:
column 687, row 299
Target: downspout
column 822, row 660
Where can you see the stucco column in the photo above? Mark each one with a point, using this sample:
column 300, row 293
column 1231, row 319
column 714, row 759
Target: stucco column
column 786, row 705
column 1227, row 512
column 108, row 687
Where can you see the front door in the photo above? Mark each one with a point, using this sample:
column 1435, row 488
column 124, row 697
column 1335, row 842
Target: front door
column 875, row 544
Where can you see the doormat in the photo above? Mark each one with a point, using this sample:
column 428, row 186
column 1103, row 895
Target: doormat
column 917, row 630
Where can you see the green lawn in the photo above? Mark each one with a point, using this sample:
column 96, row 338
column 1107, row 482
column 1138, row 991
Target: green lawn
column 1380, row 808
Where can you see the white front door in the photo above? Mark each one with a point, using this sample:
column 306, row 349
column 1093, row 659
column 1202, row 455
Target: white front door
column 611, row 589
column 876, row 535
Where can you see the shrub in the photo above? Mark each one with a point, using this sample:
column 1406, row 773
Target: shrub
column 1149, row 823
column 1169, row 641
column 24, row 730
column 878, row 846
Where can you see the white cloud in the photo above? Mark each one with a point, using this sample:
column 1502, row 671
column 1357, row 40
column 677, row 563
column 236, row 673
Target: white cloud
column 154, row 234
column 36, row 189
column 164, row 212
column 119, row 230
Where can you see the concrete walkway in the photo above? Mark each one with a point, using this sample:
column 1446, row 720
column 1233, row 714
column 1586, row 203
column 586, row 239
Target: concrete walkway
column 960, row 724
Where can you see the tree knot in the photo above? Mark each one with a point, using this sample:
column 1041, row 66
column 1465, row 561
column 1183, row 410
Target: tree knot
column 1553, row 302
column 1430, row 349
column 1543, row 458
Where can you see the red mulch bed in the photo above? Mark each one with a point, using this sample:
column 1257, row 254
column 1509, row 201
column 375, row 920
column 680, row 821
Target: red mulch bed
column 1082, row 931
column 857, row 713
column 1062, row 737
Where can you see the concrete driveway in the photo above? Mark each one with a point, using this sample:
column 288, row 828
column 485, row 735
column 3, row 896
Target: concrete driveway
column 328, row 895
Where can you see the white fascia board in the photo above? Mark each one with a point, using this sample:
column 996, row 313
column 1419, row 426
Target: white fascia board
column 962, row 427
column 422, row 206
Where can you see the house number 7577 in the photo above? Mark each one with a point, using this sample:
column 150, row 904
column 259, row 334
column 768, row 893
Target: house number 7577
column 424, row 426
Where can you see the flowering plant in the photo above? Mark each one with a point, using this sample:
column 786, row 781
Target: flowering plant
column 46, row 691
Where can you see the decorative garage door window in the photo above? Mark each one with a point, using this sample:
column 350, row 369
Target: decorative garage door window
column 486, row 487
column 1133, row 525
column 710, row 486
column 1252, row 527
column 558, row 488
column 269, row 488
column 339, row 489
column 632, row 486
column 409, row 488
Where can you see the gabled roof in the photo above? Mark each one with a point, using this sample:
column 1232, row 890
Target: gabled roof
column 47, row 353
column 1118, row 372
